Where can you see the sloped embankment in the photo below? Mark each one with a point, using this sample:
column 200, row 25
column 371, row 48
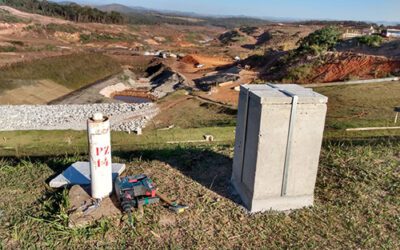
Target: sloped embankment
column 346, row 66
column 163, row 80
column 331, row 67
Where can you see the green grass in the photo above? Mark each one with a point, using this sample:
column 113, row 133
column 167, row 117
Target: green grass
column 189, row 112
column 73, row 71
column 357, row 204
column 105, row 37
column 299, row 73
column 8, row 49
column 7, row 17
column 34, row 143
column 52, row 28
column 352, row 106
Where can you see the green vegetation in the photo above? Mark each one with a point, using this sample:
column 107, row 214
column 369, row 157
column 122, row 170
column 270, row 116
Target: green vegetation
column 368, row 105
column 8, row 49
column 193, row 37
column 72, row 12
column 47, row 47
column 68, row 28
column 5, row 16
column 190, row 112
column 36, row 143
column 356, row 206
column 319, row 41
column 230, row 37
column 52, row 28
column 155, row 18
column 371, row 41
column 72, row 71
column 249, row 30
column 106, row 37
column 16, row 43
column 299, row 73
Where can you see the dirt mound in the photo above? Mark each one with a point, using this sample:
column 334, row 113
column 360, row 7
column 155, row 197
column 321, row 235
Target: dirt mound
column 163, row 79
column 230, row 37
column 347, row 66
column 189, row 60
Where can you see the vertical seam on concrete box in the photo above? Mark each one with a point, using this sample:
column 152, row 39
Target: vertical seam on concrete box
column 246, row 119
column 293, row 113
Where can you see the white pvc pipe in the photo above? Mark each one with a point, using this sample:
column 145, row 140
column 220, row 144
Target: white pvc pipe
column 100, row 156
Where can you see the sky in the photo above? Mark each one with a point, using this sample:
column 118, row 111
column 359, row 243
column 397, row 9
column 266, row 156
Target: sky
column 361, row 10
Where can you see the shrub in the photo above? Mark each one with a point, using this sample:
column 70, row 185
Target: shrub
column 229, row 37
column 371, row 41
column 105, row 37
column 8, row 49
column 319, row 41
column 299, row 73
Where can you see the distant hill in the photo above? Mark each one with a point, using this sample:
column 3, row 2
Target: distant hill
column 70, row 11
column 121, row 8
column 66, row 2
column 140, row 15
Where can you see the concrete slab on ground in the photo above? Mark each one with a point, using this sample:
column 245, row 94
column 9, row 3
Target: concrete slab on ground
column 79, row 174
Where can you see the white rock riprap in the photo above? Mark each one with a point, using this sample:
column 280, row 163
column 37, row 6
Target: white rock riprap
column 123, row 116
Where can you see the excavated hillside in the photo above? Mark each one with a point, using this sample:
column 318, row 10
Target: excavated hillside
column 331, row 67
column 347, row 66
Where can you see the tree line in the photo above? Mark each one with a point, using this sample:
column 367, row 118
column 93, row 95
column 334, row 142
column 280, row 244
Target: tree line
column 72, row 11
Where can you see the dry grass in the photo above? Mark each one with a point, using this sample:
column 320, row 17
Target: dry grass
column 357, row 203
column 369, row 105
column 72, row 71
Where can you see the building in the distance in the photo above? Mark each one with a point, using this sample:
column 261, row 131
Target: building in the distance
column 352, row 33
column 391, row 33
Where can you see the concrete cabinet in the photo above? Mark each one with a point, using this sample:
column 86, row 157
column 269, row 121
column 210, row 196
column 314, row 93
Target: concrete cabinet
column 278, row 142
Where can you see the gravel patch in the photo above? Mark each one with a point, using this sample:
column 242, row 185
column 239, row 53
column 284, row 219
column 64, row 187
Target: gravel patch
column 123, row 116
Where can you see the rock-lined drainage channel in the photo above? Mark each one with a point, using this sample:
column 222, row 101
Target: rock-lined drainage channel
column 123, row 116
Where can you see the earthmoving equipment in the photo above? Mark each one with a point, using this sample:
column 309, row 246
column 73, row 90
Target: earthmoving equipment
column 138, row 191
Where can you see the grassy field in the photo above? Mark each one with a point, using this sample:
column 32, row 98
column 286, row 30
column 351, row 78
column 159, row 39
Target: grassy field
column 72, row 71
column 7, row 17
column 357, row 203
column 185, row 111
column 352, row 106
column 357, row 194
column 37, row 143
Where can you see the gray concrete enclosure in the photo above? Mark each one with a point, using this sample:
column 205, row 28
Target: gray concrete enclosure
column 278, row 142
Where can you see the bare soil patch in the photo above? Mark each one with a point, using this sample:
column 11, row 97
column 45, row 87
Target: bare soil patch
column 40, row 92
column 348, row 66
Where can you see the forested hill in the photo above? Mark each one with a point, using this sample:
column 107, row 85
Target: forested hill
column 72, row 12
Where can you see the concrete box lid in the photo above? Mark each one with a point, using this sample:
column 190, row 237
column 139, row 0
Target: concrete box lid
column 272, row 94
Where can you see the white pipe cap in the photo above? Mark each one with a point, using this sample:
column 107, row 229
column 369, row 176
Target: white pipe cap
column 98, row 117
